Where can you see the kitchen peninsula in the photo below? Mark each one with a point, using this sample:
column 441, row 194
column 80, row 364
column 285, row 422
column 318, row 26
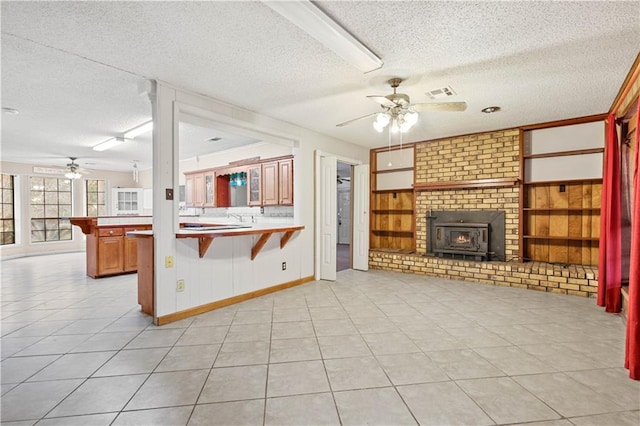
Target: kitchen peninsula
column 220, row 264
column 109, row 250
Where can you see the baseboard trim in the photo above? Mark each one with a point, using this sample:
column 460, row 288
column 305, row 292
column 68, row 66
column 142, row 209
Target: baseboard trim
column 177, row 316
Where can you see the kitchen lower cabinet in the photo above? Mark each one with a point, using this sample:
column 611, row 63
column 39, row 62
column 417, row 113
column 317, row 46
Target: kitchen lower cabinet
column 109, row 250
column 110, row 246
column 130, row 253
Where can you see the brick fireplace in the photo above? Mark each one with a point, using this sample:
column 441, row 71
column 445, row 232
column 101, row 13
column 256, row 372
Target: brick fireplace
column 477, row 173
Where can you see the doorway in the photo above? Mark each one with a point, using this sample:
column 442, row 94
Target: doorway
column 343, row 246
column 327, row 215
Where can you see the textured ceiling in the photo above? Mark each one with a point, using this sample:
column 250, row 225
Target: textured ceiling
column 73, row 68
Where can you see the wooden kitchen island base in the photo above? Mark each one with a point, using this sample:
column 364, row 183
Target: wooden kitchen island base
column 109, row 250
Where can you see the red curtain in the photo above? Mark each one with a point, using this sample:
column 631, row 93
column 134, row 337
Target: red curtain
column 609, row 254
column 632, row 354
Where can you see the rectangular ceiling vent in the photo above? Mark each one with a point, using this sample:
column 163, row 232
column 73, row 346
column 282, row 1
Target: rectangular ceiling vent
column 441, row 93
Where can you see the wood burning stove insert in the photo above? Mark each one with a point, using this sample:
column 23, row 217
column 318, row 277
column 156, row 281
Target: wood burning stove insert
column 462, row 238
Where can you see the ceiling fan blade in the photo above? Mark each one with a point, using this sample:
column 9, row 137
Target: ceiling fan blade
column 382, row 100
column 356, row 119
column 440, row 106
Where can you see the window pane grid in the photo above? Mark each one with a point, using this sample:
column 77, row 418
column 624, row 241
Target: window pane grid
column 96, row 199
column 7, row 223
column 50, row 203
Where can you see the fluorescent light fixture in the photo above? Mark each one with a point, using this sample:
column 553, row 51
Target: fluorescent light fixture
column 318, row 25
column 137, row 131
column 108, row 144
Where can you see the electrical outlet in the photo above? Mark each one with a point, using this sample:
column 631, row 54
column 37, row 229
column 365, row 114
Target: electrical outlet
column 168, row 261
column 284, row 266
column 180, row 285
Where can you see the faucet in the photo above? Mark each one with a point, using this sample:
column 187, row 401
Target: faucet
column 236, row 216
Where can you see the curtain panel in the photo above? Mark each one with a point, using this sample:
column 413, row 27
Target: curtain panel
column 610, row 248
column 632, row 353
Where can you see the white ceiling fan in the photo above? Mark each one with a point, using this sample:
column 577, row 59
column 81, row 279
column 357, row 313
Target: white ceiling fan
column 399, row 112
column 72, row 170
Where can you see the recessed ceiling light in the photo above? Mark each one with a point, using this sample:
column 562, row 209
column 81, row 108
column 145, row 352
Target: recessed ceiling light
column 216, row 139
column 10, row 111
column 491, row 109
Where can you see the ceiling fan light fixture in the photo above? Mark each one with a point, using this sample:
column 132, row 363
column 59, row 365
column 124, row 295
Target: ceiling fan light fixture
column 378, row 126
column 108, row 144
column 310, row 19
column 394, row 126
column 411, row 117
column 383, row 118
column 72, row 175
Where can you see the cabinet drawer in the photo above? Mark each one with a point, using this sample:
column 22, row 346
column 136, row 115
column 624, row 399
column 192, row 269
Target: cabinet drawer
column 110, row 232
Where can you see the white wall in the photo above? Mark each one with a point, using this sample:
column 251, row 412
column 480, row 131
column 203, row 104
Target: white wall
column 24, row 247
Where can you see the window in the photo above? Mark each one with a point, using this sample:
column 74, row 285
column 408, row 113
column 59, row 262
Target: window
column 50, row 203
column 8, row 228
column 96, row 197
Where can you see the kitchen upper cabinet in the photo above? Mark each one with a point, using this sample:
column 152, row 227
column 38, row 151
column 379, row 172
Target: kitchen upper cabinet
column 209, row 188
column 277, row 182
column 285, row 181
column 270, row 183
column 127, row 201
column 199, row 189
column 188, row 189
column 254, row 182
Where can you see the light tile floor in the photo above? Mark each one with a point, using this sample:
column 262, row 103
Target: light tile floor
column 371, row 348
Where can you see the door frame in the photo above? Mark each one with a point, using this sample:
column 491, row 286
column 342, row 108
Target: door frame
column 318, row 198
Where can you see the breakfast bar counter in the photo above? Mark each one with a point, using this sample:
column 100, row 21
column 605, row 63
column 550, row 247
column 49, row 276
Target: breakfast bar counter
column 247, row 241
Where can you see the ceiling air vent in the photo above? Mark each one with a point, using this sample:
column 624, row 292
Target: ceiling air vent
column 445, row 92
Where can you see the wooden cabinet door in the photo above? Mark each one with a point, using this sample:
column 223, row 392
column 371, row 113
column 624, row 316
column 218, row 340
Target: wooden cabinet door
column 209, row 189
column 270, row 184
column 198, row 190
column 110, row 255
column 254, row 185
column 188, row 190
column 285, row 181
column 130, row 256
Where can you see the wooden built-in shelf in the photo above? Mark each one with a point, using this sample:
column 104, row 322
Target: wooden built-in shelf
column 389, row 191
column 385, row 211
column 561, row 209
column 558, row 182
column 467, row 184
column 564, row 153
column 403, row 169
column 549, row 237
column 391, row 231
column 391, row 250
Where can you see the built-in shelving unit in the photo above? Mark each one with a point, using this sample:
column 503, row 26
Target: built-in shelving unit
column 392, row 199
column 560, row 207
